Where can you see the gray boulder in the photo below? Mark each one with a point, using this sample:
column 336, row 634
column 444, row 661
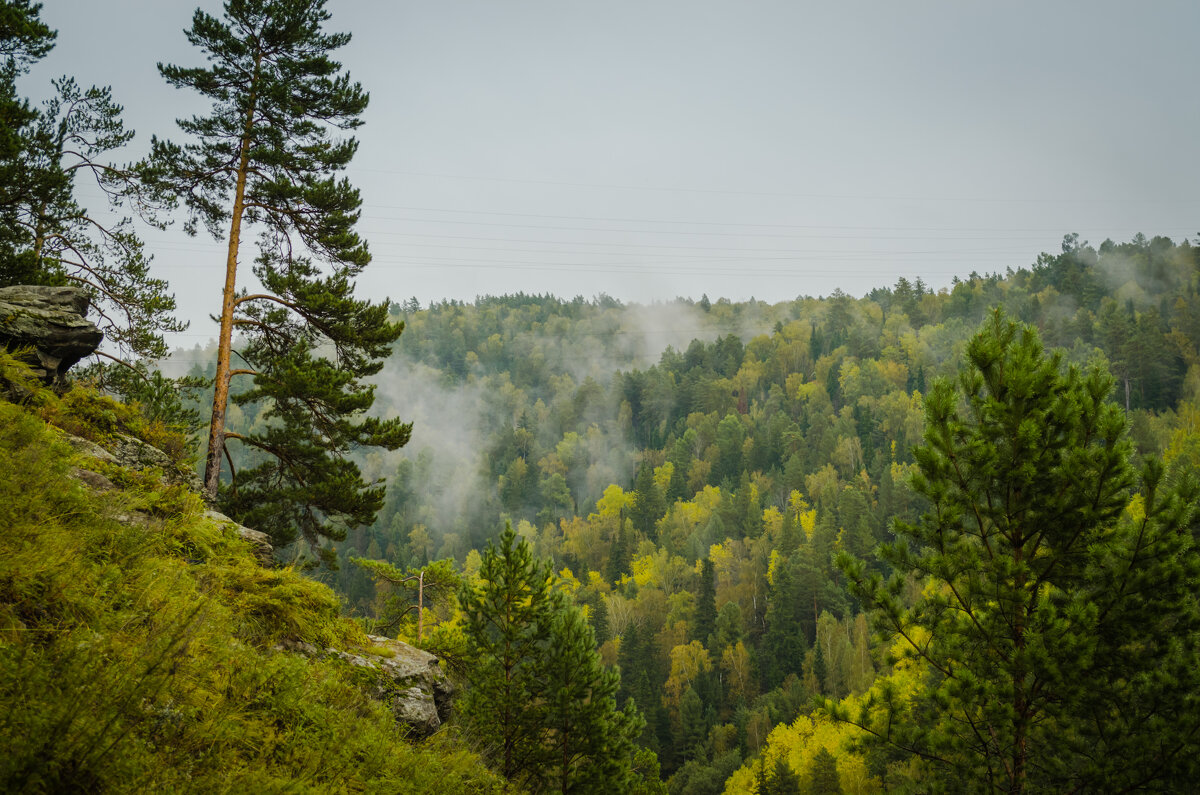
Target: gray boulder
column 419, row 691
column 407, row 679
column 133, row 453
column 51, row 320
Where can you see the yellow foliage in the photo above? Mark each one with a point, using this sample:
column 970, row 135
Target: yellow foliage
column 644, row 570
column 894, row 372
column 687, row 663
column 472, row 564
column 735, row 662
column 527, row 531
column 708, row 499
column 1186, row 435
column 568, row 581
column 722, row 558
column 614, row 501
column 551, row 464
column 772, row 521
column 793, row 385
column 808, row 522
column 1135, row 511
column 798, row 743
column 663, row 475
column 772, row 565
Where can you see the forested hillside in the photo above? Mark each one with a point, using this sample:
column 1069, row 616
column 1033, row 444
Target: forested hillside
column 923, row 539
column 692, row 469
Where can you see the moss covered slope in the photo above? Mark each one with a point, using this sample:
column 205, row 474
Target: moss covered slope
column 137, row 647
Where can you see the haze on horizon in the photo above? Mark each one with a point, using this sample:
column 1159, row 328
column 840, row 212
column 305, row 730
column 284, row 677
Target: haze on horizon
column 734, row 149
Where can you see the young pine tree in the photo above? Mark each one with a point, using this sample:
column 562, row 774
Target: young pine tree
column 778, row 779
column 540, row 703
column 508, row 616
column 1058, row 629
column 267, row 158
column 823, row 774
column 590, row 743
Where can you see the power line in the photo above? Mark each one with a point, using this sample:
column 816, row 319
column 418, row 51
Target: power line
column 595, row 229
column 779, row 194
column 723, row 223
column 1031, row 236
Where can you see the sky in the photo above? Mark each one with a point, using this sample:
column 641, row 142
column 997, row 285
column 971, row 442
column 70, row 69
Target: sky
column 662, row 148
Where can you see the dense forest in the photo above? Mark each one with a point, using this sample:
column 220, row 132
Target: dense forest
column 919, row 540
column 692, row 469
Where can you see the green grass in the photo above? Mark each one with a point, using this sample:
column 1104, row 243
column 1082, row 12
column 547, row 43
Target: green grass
column 139, row 655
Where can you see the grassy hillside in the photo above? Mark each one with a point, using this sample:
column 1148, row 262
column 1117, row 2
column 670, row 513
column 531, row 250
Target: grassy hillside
column 137, row 637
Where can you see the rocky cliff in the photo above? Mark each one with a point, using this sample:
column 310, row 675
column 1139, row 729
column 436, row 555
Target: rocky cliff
column 144, row 646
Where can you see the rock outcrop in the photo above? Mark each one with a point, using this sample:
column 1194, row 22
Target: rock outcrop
column 407, row 679
column 53, row 322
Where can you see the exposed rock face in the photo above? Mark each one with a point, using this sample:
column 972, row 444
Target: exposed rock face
column 422, row 694
column 53, row 320
column 409, row 680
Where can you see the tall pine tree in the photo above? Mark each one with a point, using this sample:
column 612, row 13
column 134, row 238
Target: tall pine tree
column 24, row 40
column 705, row 623
column 649, row 505
column 508, row 627
column 267, row 158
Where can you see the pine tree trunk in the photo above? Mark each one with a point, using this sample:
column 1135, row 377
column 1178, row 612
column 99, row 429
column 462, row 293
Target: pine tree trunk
column 216, row 428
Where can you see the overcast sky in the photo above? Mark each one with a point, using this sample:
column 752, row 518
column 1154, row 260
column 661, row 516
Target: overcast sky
column 657, row 149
